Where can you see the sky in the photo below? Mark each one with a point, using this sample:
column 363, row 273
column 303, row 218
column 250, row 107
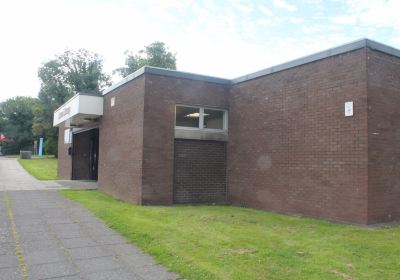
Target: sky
column 224, row 38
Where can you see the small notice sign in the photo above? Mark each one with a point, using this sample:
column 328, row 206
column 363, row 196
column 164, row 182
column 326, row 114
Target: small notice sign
column 67, row 136
column 348, row 109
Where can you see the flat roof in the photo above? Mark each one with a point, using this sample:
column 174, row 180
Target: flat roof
column 168, row 73
column 352, row 46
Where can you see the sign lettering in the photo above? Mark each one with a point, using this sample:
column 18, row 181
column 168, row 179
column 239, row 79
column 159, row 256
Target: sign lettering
column 64, row 112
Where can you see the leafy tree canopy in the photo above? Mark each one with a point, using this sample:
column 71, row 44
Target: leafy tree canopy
column 67, row 74
column 16, row 115
column 155, row 54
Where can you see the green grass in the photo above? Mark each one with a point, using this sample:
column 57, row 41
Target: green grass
column 223, row 242
column 41, row 168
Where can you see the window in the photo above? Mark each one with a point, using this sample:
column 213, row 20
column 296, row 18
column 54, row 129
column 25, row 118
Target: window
column 213, row 119
column 201, row 118
column 187, row 116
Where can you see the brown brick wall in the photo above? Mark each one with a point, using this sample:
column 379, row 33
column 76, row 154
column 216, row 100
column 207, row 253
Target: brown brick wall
column 199, row 171
column 64, row 169
column 162, row 93
column 290, row 147
column 383, row 137
column 121, row 142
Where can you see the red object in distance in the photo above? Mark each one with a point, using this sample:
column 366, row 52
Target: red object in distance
column 5, row 139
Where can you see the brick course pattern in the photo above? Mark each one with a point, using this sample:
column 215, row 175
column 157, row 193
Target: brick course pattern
column 292, row 150
column 64, row 168
column 383, row 137
column 121, row 142
column 162, row 94
column 290, row 147
column 199, row 171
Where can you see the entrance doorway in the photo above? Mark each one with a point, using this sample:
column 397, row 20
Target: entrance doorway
column 85, row 151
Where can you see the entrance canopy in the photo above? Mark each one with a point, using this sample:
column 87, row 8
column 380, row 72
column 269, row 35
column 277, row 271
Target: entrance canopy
column 79, row 110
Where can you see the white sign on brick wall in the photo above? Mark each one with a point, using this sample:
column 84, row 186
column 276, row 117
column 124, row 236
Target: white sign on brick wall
column 348, row 109
column 67, row 136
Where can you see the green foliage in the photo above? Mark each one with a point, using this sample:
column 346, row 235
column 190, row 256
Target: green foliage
column 41, row 168
column 67, row 74
column 16, row 116
column 155, row 54
column 223, row 242
column 51, row 146
column 73, row 72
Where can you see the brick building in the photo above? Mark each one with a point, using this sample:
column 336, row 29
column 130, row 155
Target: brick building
column 318, row 136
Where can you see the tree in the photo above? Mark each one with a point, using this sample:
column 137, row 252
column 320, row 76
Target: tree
column 67, row 74
column 16, row 116
column 155, row 54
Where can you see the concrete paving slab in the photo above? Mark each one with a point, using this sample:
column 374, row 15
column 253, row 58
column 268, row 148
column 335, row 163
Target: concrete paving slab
column 51, row 221
column 48, row 255
column 60, row 239
column 88, row 252
column 122, row 249
column 98, row 264
column 40, row 245
column 154, row 272
column 111, row 275
column 8, row 260
column 24, row 221
column 7, row 248
column 12, row 273
column 70, row 233
column 65, row 227
column 32, row 228
column 14, row 177
column 6, row 238
column 51, row 270
column 35, row 236
column 110, row 239
column 136, row 261
column 78, row 242
column 73, row 277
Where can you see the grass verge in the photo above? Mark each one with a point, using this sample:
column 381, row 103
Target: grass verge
column 41, row 168
column 223, row 242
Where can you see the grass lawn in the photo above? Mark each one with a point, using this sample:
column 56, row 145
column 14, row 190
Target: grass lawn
column 223, row 242
column 41, row 168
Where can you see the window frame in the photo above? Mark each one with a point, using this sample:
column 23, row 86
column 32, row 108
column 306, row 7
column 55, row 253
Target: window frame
column 201, row 119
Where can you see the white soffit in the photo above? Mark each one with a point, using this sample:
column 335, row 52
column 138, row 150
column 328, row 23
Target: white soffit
column 79, row 109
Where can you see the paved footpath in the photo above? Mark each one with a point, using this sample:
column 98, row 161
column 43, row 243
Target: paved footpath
column 46, row 236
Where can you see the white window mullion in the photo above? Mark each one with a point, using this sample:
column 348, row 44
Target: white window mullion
column 201, row 120
column 225, row 120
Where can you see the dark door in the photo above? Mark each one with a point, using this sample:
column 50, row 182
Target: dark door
column 94, row 153
column 85, row 155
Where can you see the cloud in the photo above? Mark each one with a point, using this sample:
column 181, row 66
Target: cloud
column 266, row 11
column 350, row 19
column 284, row 5
column 378, row 13
column 226, row 38
column 242, row 8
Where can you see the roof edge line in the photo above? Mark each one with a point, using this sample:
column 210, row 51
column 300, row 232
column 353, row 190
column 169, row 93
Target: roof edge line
column 169, row 73
column 348, row 47
column 125, row 80
column 352, row 46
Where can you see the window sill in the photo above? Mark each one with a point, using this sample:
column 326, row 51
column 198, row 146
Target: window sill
column 201, row 134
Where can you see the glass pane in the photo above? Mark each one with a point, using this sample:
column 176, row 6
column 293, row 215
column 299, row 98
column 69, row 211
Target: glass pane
column 213, row 119
column 187, row 116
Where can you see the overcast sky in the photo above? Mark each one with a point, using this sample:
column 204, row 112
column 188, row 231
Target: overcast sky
column 219, row 38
